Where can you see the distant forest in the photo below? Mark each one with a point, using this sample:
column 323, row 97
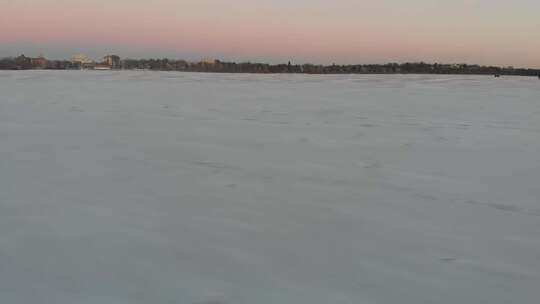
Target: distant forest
column 217, row 66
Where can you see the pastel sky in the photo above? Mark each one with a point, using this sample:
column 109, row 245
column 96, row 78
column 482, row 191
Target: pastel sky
column 498, row 32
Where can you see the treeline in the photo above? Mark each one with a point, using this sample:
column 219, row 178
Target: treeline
column 390, row 68
column 19, row 64
column 248, row 67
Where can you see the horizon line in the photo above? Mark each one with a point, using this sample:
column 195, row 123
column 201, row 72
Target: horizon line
column 216, row 60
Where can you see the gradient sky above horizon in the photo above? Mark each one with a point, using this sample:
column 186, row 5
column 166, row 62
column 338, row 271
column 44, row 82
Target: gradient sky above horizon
column 498, row 32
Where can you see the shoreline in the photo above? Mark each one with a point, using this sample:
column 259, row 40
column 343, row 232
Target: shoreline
column 271, row 73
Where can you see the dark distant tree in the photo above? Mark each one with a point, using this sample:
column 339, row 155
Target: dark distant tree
column 8, row 64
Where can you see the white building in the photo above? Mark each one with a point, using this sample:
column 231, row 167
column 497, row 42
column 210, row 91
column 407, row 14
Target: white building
column 81, row 59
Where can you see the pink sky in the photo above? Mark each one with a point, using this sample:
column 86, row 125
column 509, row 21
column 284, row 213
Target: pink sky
column 321, row 31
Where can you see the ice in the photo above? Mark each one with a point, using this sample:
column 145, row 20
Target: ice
column 159, row 187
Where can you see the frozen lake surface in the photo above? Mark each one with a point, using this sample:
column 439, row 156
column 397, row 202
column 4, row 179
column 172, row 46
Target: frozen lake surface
column 155, row 187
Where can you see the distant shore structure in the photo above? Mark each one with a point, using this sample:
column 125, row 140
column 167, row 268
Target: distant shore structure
column 38, row 63
column 80, row 58
column 81, row 61
column 101, row 67
column 208, row 61
column 210, row 65
column 113, row 61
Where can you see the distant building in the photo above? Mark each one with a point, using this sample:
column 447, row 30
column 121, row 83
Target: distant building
column 80, row 59
column 82, row 62
column 39, row 62
column 208, row 61
column 113, row 61
column 23, row 62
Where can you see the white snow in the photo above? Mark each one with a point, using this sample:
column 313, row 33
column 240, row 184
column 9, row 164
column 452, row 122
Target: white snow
column 156, row 187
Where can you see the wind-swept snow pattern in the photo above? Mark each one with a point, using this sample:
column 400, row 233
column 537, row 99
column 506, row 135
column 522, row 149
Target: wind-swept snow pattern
column 154, row 187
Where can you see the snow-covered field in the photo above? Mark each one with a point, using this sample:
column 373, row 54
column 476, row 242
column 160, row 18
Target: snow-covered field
column 149, row 187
